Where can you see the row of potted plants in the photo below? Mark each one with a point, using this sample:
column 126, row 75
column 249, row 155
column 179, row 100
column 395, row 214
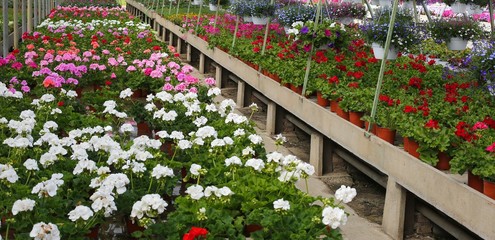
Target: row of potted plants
column 420, row 99
column 79, row 147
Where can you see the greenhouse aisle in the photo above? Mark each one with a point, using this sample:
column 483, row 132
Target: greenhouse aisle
column 357, row 228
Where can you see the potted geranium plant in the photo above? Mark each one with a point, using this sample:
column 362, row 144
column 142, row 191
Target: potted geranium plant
column 214, row 4
column 261, row 10
column 345, row 12
column 405, row 35
column 292, row 13
column 456, row 32
column 241, row 8
column 325, row 34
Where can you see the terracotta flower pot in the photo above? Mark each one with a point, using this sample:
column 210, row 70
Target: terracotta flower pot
column 386, row 134
column 406, row 144
column 489, row 189
column 143, row 129
column 413, row 148
column 132, row 227
column 343, row 114
column 443, row 161
column 94, row 232
column 320, row 100
column 334, row 104
column 475, row 182
column 287, row 85
column 296, row 89
column 373, row 128
column 355, row 118
column 250, row 228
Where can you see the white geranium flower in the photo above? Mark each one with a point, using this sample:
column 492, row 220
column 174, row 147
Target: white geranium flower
column 23, row 205
column 239, row 132
column 126, row 127
column 184, row 144
column 281, row 204
column 210, row 190
column 214, row 91
column 80, row 212
column 45, row 231
column 223, row 192
column 195, row 191
column 31, row 164
column 47, row 98
column 195, row 168
column 160, row 171
column 255, row 163
column 150, row 205
column 345, row 194
column 248, row 151
column 125, row 93
column 334, row 217
column 8, row 172
column 255, row 139
column 234, row 160
column 48, row 187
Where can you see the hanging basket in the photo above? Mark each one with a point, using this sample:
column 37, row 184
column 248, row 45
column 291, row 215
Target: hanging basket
column 385, row 3
column 458, row 7
column 473, row 9
column 408, row 5
column 378, row 50
column 213, row 7
column 247, row 19
column 457, row 43
column 197, row 2
column 260, row 20
column 346, row 20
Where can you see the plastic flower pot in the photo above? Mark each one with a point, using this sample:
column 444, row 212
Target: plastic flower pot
column 475, row 182
column 355, row 118
column 386, row 134
column 320, row 100
column 260, row 20
column 457, row 43
column 489, row 189
column 443, row 161
column 378, row 51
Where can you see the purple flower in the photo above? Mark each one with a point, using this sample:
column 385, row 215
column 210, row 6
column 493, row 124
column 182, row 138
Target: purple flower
column 304, row 30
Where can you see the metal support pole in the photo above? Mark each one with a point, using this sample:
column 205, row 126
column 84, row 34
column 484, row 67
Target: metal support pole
column 382, row 67
column 178, row 6
column 29, row 16
column 199, row 17
column 427, row 12
column 490, row 8
column 265, row 38
column 16, row 27
column 35, row 11
column 308, row 62
column 24, row 17
column 235, row 31
column 5, row 12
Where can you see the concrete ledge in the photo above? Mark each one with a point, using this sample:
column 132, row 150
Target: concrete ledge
column 470, row 208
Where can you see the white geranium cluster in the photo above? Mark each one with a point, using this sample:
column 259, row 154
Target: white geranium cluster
column 197, row 192
column 80, row 212
column 345, row 194
column 150, row 206
column 110, row 106
column 334, row 217
column 281, row 205
column 160, row 171
column 290, row 167
column 23, row 205
column 45, row 231
column 48, row 187
column 125, row 93
column 7, row 172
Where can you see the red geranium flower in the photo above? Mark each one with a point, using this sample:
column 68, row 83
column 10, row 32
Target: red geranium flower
column 432, row 124
column 195, row 232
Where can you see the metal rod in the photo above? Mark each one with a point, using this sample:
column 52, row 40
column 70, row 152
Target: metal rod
column 267, row 28
column 24, row 17
column 178, row 7
column 216, row 14
column 187, row 14
column 427, row 12
column 308, row 62
column 170, row 8
column 369, row 8
column 5, row 26
column 382, row 67
column 235, row 31
column 490, row 9
column 29, row 16
column 35, row 11
column 199, row 17
column 16, row 27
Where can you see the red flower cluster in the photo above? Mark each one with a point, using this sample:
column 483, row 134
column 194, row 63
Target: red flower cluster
column 463, row 131
column 388, row 100
column 410, row 109
column 415, row 82
column 432, row 124
column 353, row 85
column 194, row 233
column 320, row 57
